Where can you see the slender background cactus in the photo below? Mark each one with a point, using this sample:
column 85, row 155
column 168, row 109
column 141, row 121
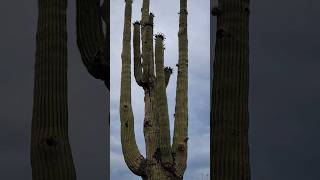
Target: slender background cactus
column 93, row 37
column 50, row 150
column 162, row 160
column 229, row 112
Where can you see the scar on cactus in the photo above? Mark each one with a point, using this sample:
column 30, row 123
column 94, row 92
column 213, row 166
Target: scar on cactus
column 215, row 11
column 163, row 160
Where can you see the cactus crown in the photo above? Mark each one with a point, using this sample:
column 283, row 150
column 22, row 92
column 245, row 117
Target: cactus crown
column 136, row 23
column 160, row 35
column 168, row 69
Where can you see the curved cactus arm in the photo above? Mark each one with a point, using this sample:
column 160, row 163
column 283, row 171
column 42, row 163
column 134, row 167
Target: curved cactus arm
column 162, row 104
column 133, row 158
column 181, row 110
column 137, row 53
column 91, row 40
column 167, row 75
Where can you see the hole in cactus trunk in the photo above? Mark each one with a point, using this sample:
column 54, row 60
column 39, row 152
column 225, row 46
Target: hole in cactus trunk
column 51, row 142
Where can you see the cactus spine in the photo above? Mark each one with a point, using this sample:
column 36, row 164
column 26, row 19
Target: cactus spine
column 163, row 160
column 50, row 150
column 93, row 43
column 229, row 114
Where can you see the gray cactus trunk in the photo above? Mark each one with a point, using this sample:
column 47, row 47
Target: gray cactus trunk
column 229, row 114
column 163, row 161
column 51, row 157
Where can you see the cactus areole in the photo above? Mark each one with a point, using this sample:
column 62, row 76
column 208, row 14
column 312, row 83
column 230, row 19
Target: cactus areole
column 163, row 161
column 50, row 150
column 229, row 111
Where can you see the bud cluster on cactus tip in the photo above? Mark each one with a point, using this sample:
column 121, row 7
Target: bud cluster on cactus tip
column 168, row 69
column 137, row 23
column 160, row 35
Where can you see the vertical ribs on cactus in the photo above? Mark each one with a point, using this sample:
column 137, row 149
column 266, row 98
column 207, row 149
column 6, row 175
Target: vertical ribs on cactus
column 51, row 156
column 229, row 103
column 93, row 37
column 163, row 160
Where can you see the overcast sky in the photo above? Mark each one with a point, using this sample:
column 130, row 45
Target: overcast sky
column 284, row 89
column 167, row 22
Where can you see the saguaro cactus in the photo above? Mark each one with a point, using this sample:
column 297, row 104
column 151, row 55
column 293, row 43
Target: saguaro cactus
column 229, row 111
column 163, row 160
column 93, row 41
column 50, row 150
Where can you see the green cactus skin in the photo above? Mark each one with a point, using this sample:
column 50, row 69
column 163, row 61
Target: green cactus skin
column 163, row 161
column 180, row 136
column 229, row 111
column 93, row 44
column 134, row 160
column 51, row 157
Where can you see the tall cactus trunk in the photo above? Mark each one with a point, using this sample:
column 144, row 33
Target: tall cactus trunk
column 163, row 161
column 50, row 150
column 229, row 114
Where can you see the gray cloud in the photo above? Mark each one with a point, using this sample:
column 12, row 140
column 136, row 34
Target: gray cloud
column 283, row 93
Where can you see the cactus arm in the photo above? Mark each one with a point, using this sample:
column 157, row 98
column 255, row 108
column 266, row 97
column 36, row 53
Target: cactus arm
column 147, row 51
column 167, row 75
column 51, row 156
column 145, row 33
column 145, row 11
column 137, row 54
column 133, row 158
column 162, row 104
column 181, row 110
column 150, row 43
column 90, row 39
